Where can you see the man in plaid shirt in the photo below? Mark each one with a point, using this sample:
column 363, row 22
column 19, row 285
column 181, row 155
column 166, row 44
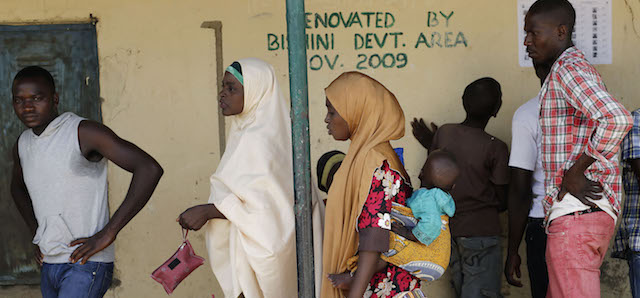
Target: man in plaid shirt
column 627, row 243
column 582, row 126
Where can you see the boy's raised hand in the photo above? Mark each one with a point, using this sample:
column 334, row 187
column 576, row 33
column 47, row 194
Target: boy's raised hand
column 422, row 133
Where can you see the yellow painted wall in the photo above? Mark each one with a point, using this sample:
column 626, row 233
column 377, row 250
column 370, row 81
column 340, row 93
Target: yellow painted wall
column 157, row 80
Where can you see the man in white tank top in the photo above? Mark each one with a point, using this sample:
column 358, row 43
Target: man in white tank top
column 59, row 185
column 526, row 192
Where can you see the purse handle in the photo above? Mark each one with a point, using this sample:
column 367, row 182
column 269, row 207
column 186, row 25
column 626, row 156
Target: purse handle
column 185, row 232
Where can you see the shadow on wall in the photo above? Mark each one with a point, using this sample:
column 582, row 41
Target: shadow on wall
column 31, row 291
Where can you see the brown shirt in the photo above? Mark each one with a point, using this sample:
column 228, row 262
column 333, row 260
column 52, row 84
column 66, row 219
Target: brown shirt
column 483, row 160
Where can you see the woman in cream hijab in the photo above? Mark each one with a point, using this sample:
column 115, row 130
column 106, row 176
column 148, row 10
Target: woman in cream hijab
column 370, row 179
column 251, row 227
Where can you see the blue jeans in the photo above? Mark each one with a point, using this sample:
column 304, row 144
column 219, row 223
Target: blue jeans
column 476, row 266
column 70, row 280
column 634, row 272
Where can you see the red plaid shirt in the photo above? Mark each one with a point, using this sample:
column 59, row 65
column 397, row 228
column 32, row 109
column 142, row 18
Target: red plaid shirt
column 578, row 116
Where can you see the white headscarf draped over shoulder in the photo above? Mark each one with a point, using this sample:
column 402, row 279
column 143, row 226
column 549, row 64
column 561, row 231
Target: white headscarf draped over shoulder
column 253, row 250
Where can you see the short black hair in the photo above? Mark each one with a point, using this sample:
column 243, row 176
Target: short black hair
column 482, row 97
column 561, row 10
column 36, row 72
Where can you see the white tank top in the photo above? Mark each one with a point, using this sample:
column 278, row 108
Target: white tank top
column 68, row 192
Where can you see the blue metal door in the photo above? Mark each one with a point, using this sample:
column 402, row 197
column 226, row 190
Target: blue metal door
column 70, row 53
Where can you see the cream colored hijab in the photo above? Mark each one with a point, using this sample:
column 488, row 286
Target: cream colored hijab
column 374, row 117
column 253, row 250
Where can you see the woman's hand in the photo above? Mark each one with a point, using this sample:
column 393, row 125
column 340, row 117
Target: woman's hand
column 195, row 217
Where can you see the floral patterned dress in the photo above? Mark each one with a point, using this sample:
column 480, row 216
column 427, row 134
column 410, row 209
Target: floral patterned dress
column 387, row 186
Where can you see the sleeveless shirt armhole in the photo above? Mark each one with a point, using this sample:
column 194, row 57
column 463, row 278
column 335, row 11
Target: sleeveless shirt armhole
column 18, row 145
column 77, row 136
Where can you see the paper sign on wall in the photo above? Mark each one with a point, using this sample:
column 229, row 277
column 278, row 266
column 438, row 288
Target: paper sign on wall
column 592, row 34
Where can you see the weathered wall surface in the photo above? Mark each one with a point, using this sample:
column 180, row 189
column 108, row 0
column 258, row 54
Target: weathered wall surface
column 157, row 80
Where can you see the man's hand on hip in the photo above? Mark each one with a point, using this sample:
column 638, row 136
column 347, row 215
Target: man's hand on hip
column 90, row 246
column 577, row 184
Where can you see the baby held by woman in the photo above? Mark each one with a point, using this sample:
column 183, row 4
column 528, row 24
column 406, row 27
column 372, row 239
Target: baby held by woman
column 420, row 238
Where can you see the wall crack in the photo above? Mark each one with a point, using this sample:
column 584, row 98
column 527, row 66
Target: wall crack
column 633, row 17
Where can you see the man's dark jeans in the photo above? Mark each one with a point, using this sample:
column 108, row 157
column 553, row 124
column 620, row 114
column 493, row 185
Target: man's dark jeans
column 536, row 240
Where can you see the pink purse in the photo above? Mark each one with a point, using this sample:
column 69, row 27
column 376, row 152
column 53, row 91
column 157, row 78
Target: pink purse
column 178, row 266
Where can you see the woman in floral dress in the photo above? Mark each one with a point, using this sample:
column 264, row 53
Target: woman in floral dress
column 370, row 179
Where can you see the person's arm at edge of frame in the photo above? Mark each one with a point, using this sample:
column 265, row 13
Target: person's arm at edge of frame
column 95, row 137
column 520, row 198
column 22, row 200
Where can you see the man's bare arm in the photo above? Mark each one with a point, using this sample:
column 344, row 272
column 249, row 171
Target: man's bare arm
column 22, row 199
column 21, row 195
column 96, row 138
column 520, row 199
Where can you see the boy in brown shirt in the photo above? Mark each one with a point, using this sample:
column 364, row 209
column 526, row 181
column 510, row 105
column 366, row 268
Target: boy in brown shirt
column 480, row 190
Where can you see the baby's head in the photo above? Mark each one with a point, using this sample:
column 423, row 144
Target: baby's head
column 328, row 165
column 440, row 170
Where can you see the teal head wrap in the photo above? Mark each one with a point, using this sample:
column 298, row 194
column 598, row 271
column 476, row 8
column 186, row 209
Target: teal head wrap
column 236, row 70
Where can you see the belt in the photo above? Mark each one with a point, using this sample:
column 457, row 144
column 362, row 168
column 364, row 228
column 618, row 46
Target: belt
column 590, row 210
